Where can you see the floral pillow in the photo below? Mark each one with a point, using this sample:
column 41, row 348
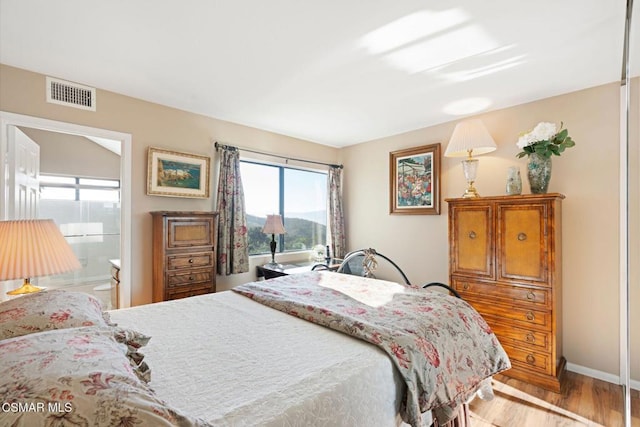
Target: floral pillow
column 54, row 309
column 78, row 376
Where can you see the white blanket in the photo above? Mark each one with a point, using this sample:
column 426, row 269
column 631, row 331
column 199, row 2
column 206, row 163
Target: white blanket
column 234, row 362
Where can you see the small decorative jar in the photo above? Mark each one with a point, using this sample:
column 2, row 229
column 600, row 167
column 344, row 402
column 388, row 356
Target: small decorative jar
column 514, row 182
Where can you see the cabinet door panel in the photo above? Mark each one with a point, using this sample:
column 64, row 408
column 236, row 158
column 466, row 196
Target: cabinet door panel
column 190, row 232
column 471, row 248
column 522, row 242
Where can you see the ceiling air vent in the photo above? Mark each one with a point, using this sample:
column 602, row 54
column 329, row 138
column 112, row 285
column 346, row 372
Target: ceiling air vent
column 71, row 94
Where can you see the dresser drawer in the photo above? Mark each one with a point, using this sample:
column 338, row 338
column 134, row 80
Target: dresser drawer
column 188, row 291
column 188, row 278
column 508, row 293
column 521, row 316
column 190, row 260
column 518, row 337
column 529, row 359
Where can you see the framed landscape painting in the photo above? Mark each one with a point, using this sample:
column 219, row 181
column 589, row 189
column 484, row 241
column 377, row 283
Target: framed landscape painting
column 415, row 180
column 175, row 174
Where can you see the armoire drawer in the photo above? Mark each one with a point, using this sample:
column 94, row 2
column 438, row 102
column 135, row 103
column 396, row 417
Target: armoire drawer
column 525, row 357
column 506, row 292
column 507, row 334
column 520, row 315
column 188, row 291
column 190, row 260
column 191, row 277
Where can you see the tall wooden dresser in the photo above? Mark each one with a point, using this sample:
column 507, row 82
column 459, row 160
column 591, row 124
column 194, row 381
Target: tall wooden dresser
column 505, row 260
column 184, row 254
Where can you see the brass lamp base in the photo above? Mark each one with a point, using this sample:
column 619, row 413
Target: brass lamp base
column 470, row 192
column 26, row 288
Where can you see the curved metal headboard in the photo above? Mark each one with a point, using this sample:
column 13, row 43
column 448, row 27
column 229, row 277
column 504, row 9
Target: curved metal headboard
column 368, row 253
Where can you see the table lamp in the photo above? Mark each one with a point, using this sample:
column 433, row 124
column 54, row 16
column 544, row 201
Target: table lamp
column 470, row 137
column 32, row 248
column 273, row 226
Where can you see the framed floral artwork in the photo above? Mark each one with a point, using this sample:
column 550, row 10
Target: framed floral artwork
column 176, row 174
column 415, row 180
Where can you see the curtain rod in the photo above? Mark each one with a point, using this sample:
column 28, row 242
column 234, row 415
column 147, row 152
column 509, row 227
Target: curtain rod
column 231, row 147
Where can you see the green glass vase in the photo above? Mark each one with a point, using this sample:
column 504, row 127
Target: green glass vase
column 539, row 173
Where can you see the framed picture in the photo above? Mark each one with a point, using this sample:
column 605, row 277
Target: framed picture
column 415, row 180
column 174, row 174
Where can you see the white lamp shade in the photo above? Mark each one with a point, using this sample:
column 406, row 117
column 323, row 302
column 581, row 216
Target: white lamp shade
column 33, row 248
column 273, row 225
column 470, row 135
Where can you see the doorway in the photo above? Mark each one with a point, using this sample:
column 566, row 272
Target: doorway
column 9, row 120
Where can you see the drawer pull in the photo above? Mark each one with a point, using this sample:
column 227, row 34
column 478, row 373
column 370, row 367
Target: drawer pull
column 531, row 316
column 191, row 278
column 465, row 286
column 531, row 296
column 531, row 360
column 190, row 260
column 522, row 237
column 472, row 235
column 531, row 338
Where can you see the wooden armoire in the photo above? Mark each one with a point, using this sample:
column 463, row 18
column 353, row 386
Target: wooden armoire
column 506, row 261
column 184, row 254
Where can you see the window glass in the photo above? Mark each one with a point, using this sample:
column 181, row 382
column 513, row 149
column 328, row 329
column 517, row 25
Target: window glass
column 299, row 196
column 305, row 209
column 99, row 195
column 57, row 193
column 50, row 179
column 100, row 182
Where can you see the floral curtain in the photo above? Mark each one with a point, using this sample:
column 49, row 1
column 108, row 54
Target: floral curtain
column 336, row 215
column 233, row 247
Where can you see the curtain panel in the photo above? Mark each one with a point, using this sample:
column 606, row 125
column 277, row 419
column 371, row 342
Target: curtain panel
column 336, row 216
column 233, row 247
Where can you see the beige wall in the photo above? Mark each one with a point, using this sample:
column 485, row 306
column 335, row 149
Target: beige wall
column 588, row 175
column 23, row 92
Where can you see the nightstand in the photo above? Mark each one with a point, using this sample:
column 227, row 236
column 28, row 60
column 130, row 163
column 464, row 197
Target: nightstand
column 270, row 272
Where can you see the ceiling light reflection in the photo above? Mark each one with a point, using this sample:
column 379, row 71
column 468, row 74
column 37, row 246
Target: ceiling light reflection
column 444, row 49
column 411, row 28
column 467, row 106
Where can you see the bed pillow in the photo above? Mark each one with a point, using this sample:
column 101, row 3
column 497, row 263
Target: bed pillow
column 46, row 310
column 77, row 376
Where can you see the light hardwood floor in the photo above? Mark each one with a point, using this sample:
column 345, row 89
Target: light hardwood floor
column 583, row 401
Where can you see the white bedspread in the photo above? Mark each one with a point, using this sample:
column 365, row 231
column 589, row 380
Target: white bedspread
column 234, row 362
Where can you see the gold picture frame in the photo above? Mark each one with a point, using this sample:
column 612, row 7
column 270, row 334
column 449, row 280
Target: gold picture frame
column 177, row 174
column 414, row 180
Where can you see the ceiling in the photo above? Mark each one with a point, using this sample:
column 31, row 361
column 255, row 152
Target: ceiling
column 332, row 72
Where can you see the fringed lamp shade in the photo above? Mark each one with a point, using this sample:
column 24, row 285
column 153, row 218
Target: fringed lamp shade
column 33, row 248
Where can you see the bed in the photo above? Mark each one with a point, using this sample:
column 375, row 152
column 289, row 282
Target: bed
column 245, row 357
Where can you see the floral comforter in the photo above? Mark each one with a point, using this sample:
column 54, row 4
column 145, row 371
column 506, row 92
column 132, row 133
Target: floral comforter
column 442, row 347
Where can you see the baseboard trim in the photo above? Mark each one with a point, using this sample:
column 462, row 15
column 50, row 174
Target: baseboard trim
column 600, row 375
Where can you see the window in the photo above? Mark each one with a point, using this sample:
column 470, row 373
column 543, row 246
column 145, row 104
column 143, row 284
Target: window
column 299, row 196
column 54, row 187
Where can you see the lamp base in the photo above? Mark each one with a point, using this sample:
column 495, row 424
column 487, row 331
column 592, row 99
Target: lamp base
column 470, row 192
column 26, row 288
column 273, row 265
